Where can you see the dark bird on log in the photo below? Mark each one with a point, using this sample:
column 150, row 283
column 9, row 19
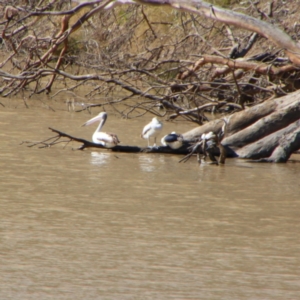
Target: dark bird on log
column 173, row 140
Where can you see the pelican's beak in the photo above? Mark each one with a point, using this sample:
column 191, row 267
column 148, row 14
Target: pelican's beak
column 93, row 120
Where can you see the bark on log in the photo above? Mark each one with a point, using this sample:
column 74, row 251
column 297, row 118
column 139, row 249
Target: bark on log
column 267, row 146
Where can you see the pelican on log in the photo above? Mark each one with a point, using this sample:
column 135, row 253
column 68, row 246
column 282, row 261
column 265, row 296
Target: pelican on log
column 173, row 140
column 106, row 139
column 152, row 129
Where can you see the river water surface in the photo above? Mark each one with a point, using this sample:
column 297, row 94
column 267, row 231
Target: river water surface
column 99, row 225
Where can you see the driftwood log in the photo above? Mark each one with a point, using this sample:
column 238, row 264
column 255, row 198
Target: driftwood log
column 269, row 131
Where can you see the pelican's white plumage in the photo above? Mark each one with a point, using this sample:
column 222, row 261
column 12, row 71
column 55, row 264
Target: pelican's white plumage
column 106, row 139
column 152, row 129
column 173, row 140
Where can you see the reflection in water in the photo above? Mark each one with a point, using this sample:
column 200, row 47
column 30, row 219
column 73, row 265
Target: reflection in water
column 146, row 163
column 100, row 225
column 150, row 163
column 99, row 158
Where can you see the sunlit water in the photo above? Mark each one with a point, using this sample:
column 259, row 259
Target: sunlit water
column 99, row 225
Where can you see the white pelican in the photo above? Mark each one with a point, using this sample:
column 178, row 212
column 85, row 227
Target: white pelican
column 106, row 139
column 152, row 129
column 173, row 140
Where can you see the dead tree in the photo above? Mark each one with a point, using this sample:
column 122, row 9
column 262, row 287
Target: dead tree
column 40, row 50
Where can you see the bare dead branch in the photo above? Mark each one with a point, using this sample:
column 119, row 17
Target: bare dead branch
column 260, row 68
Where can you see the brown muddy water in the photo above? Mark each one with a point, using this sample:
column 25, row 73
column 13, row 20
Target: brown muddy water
column 99, row 225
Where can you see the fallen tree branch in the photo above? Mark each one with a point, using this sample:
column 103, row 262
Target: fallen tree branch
column 119, row 148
